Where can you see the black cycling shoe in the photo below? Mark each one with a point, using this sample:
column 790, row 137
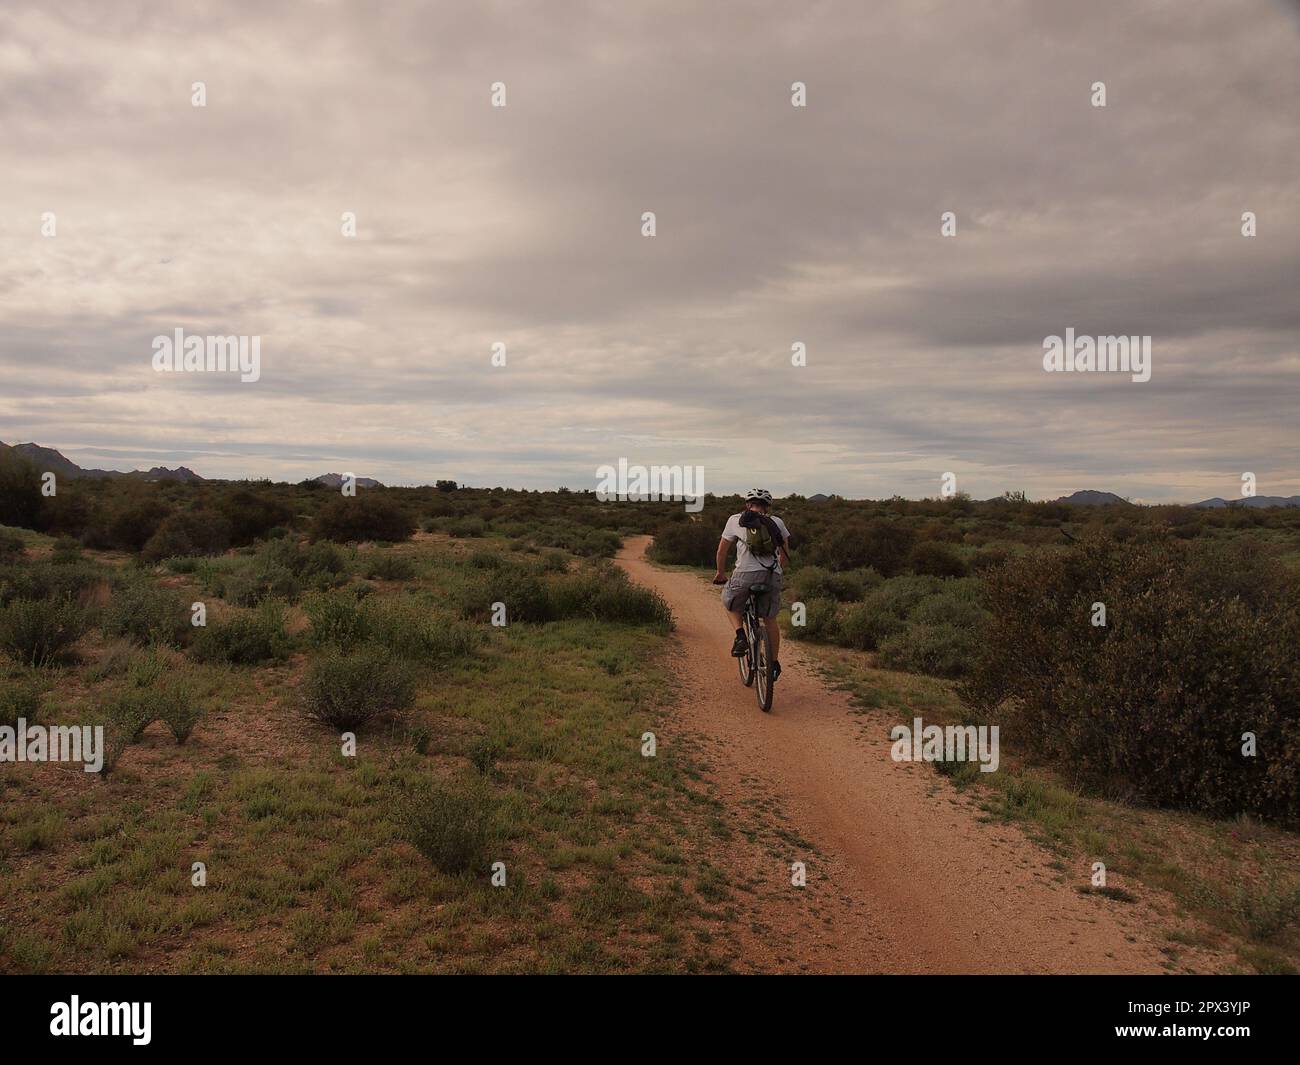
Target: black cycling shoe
column 776, row 670
column 741, row 647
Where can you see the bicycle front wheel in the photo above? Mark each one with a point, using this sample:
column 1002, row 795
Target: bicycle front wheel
column 746, row 661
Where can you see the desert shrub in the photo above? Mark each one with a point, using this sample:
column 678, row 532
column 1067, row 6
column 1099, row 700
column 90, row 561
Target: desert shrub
column 113, row 660
column 253, row 515
column 412, row 629
column 1198, row 649
column 129, row 712
column 935, row 560
column 988, row 558
column 884, row 611
column 280, row 569
column 369, row 515
column 452, row 825
column 555, row 562
column 143, row 612
column 941, row 650
column 386, row 566
column 881, row 544
column 179, row 706
column 20, row 490
column 20, row 696
column 347, row 689
column 65, row 551
column 188, row 532
column 956, row 602
column 686, row 543
column 245, row 638
column 821, row 621
column 519, row 586
column 156, row 688
column 37, row 632
column 132, row 526
column 863, row 628
column 816, row 582
column 46, row 580
column 260, row 581
column 12, row 547
column 463, row 528
column 337, row 618
column 486, row 560
column 626, row 603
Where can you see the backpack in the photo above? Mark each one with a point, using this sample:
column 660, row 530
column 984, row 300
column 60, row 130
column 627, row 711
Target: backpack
column 762, row 536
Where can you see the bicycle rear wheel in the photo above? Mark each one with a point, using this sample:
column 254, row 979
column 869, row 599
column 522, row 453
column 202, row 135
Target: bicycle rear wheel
column 763, row 670
column 746, row 661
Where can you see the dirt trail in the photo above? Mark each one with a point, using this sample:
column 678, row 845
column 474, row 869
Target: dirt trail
column 910, row 880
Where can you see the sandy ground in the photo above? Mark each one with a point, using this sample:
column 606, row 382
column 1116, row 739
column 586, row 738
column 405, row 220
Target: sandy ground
column 906, row 877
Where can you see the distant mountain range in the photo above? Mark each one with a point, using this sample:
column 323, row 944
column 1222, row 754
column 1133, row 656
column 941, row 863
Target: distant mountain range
column 1089, row 498
column 47, row 460
column 1250, row 501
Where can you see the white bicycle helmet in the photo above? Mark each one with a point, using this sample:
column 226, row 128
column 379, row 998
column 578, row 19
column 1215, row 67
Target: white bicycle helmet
column 759, row 495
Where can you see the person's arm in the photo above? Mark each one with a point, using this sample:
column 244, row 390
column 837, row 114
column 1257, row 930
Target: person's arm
column 724, row 548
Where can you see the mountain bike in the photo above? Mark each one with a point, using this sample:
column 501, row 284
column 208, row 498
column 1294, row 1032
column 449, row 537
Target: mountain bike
column 756, row 663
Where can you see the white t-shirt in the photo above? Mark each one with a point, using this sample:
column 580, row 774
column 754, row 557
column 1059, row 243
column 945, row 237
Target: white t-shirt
column 745, row 560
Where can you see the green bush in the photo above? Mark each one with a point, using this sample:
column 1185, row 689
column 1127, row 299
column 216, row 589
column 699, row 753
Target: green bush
column 623, row 602
column 20, row 696
column 821, row 621
column 188, row 532
column 882, row 544
column 143, row 612
column 20, row 490
column 365, row 516
column 463, row 528
column 687, row 543
column 65, row 552
column 134, row 524
column 245, row 638
column 347, row 689
column 863, row 627
column 178, row 705
column 518, row 586
column 12, row 547
column 935, row 560
column 815, row 582
column 46, row 580
column 386, row 566
column 337, row 618
column 941, row 650
column 414, row 630
column 1198, row 649
column 451, row 825
column 259, row 582
column 37, row 632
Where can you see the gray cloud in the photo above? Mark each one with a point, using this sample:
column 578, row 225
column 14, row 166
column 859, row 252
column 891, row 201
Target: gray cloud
column 521, row 225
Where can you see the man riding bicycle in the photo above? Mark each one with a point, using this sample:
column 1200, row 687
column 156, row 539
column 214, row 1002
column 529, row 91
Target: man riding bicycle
column 760, row 541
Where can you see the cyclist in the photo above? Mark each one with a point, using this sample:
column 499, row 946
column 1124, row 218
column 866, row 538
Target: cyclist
column 760, row 541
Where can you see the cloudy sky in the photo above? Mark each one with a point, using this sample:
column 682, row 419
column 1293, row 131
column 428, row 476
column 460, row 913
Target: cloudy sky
column 775, row 224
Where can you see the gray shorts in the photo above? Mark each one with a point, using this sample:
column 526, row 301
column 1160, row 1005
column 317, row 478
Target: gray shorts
column 769, row 603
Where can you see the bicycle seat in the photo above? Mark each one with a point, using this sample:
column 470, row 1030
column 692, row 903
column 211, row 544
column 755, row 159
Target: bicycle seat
column 758, row 589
